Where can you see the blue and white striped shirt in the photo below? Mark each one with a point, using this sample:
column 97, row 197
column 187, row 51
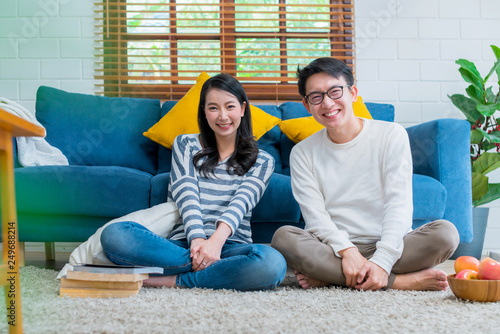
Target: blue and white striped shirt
column 204, row 201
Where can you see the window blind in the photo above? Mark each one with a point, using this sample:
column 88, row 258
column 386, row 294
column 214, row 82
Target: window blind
column 156, row 49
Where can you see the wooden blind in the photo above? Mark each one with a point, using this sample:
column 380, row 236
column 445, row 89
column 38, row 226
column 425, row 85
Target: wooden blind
column 156, row 49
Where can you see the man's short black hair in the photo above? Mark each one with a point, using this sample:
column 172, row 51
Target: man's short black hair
column 331, row 66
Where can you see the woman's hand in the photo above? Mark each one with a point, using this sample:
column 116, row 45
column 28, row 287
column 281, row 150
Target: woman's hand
column 206, row 252
column 352, row 262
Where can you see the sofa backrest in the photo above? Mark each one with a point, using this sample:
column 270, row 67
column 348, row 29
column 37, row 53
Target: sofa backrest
column 99, row 131
column 289, row 110
column 102, row 131
column 274, row 141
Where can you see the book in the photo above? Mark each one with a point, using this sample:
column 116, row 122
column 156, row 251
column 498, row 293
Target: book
column 81, row 284
column 104, row 277
column 117, row 269
column 103, row 281
column 96, row 293
column 109, row 285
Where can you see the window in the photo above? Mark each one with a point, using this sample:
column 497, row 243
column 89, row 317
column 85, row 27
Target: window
column 155, row 48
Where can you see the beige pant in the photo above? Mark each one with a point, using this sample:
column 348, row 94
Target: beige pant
column 424, row 247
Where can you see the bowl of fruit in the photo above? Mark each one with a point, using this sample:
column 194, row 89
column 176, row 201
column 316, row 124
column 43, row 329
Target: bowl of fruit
column 476, row 280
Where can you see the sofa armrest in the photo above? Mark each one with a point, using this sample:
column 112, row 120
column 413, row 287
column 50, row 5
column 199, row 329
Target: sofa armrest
column 441, row 149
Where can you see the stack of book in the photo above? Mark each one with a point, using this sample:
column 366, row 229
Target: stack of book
column 98, row 281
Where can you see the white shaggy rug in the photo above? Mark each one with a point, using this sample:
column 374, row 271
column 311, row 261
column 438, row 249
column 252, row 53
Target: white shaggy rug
column 287, row 309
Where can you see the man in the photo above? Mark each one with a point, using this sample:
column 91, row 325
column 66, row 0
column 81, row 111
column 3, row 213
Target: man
column 353, row 182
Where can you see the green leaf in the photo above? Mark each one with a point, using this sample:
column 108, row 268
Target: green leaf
column 476, row 136
column 472, row 79
column 479, row 186
column 467, row 106
column 490, row 96
column 486, row 146
column 492, row 194
column 496, row 51
column 486, row 163
column 475, row 93
column 494, row 69
column 491, row 137
column 470, row 73
column 488, row 109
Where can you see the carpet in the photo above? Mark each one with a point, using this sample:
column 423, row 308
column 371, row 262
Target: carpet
column 286, row 309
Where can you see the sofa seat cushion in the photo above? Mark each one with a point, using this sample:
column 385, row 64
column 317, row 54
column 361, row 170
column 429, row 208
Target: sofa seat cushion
column 82, row 190
column 277, row 205
column 159, row 189
column 99, row 131
column 429, row 198
column 37, row 227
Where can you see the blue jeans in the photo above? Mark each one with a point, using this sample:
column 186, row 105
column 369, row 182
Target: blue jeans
column 241, row 267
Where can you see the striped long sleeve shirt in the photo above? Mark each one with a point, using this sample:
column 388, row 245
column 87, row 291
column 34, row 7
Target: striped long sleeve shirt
column 205, row 201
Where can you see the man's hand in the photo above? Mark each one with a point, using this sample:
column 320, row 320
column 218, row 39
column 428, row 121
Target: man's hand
column 352, row 262
column 372, row 277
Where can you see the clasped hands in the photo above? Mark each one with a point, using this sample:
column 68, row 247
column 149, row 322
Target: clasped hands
column 205, row 252
column 360, row 273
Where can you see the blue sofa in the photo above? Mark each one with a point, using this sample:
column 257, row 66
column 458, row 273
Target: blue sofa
column 115, row 170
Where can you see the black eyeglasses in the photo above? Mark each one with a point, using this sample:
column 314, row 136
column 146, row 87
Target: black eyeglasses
column 334, row 93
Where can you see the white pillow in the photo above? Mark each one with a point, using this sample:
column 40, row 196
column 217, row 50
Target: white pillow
column 159, row 219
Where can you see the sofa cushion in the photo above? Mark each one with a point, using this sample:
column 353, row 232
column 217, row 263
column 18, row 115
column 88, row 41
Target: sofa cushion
column 429, row 199
column 99, row 131
column 182, row 118
column 159, row 188
column 36, row 227
column 277, row 205
column 271, row 140
column 82, row 190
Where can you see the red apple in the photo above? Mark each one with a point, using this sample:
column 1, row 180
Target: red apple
column 466, row 262
column 467, row 274
column 489, row 269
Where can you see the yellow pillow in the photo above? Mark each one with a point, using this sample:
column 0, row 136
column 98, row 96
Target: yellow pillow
column 183, row 118
column 298, row 129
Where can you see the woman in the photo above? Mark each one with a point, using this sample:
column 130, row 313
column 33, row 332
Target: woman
column 217, row 178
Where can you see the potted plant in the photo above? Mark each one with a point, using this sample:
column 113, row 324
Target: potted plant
column 479, row 107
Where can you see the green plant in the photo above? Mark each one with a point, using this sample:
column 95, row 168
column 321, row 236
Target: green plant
column 479, row 107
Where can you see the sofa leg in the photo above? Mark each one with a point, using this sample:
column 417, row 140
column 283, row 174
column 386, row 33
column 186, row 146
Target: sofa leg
column 21, row 256
column 50, row 251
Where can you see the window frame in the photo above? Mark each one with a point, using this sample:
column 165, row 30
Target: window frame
column 115, row 38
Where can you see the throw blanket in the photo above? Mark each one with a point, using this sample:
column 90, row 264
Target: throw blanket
column 33, row 151
column 159, row 219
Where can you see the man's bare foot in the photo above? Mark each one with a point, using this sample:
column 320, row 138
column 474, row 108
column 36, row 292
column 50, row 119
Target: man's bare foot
column 424, row 280
column 166, row 281
column 307, row 282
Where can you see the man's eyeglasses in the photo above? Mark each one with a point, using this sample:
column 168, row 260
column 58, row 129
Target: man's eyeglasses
column 333, row 93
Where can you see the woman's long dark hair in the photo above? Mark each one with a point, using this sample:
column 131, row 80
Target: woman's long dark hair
column 246, row 150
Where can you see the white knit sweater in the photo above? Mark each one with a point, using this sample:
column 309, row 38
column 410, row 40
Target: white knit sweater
column 357, row 192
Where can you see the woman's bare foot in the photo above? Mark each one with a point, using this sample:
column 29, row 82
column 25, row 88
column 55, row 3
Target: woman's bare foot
column 307, row 282
column 166, row 281
column 424, row 280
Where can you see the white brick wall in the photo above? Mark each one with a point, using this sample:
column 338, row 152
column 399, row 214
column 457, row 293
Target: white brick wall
column 410, row 47
column 45, row 42
column 406, row 51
